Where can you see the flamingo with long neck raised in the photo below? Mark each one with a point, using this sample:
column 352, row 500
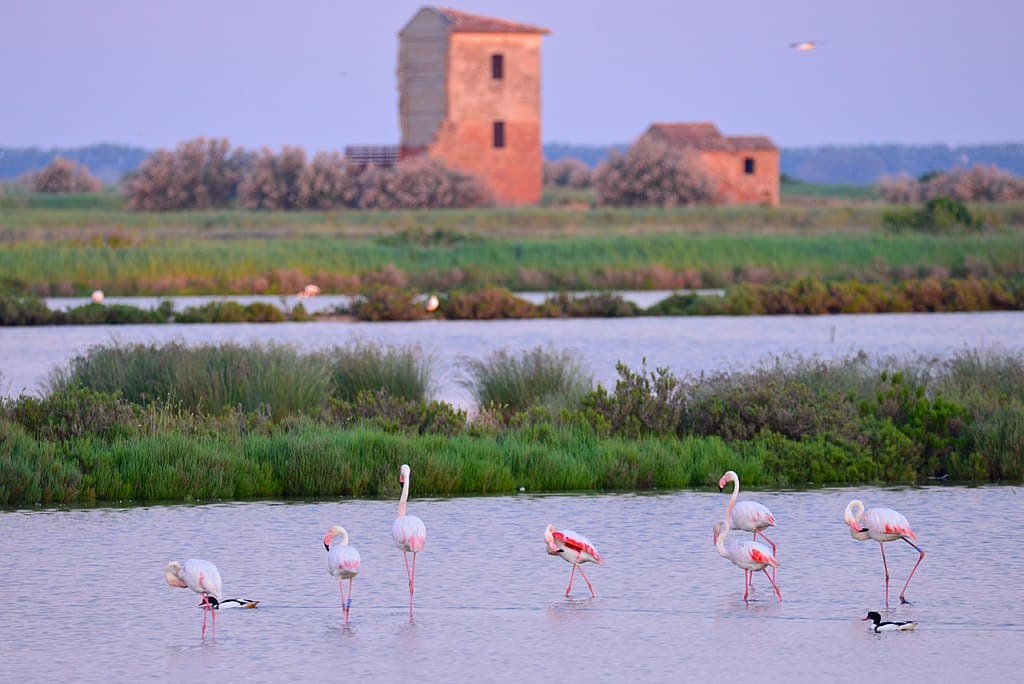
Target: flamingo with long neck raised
column 342, row 563
column 573, row 548
column 749, row 555
column 749, row 516
column 409, row 533
column 201, row 577
column 883, row 525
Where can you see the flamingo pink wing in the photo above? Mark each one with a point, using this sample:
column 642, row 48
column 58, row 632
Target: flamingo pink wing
column 578, row 545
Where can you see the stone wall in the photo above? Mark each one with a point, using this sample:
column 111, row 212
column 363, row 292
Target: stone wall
column 727, row 172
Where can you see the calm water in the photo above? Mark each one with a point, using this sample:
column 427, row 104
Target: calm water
column 29, row 354
column 83, row 596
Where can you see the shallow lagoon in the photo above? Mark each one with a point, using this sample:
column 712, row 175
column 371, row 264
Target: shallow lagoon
column 84, row 597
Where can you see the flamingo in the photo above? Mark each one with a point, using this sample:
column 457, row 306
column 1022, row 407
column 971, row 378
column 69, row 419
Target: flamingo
column 749, row 516
column 749, row 555
column 882, row 525
column 573, row 548
column 409, row 533
column 201, row 577
column 342, row 563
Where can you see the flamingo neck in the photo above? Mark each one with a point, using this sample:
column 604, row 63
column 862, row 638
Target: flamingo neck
column 405, row 497
column 852, row 519
column 732, row 501
column 720, row 541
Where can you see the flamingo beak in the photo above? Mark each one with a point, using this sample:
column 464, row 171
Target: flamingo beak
column 326, row 547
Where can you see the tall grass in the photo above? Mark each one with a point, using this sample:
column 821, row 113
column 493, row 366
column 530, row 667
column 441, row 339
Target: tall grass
column 402, row 372
column 313, row 460
column 511, row 382
column 277, row 379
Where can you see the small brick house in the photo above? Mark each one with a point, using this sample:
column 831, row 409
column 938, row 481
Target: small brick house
column 743, row 168
column 469, row 95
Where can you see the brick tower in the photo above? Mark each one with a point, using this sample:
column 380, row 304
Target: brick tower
column 469, row 95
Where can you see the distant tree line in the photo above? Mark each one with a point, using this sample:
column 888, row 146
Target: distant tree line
column 61, row 176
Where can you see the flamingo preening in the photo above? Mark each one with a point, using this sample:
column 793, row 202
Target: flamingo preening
column 749, row 555
column 201, row 577
column 573, row 548
column 342, row 563
column 882, row 525
column 409, row 533
column 749, row 516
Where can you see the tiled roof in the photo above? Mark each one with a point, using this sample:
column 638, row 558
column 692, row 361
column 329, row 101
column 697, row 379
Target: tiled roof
column 705, row 135
column 464, row 22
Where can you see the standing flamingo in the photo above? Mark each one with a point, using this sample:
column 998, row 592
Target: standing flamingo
column 409, row 533
column 749, row 555
column 573, row 548
column 201, row 577
column 749, row 516
column 342, row 563
column 882, row 525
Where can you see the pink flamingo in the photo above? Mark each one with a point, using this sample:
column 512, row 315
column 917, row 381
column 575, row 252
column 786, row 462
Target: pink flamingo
column 573, row 548
column 342, row 563
column 882, row 525
column 749, row 555
column 409, row 533
column 201, row 577
column 749, row 516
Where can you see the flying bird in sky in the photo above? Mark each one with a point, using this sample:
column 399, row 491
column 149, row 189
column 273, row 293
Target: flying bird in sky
column 806, row 45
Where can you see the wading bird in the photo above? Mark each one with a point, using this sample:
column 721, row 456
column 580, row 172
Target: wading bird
column 749, row 516
column 573, row 548
column 201, row 577
column 882, row 525
column 888, row 626
column 409, row 533
column 342, row 563
column 749, row 555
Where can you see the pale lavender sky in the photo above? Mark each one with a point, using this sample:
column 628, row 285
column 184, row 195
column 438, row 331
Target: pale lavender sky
column 321, row 73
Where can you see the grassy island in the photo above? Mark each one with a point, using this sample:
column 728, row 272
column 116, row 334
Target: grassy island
column 153, row 423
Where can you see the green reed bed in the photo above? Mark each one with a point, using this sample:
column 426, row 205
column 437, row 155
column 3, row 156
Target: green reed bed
column 216, row 266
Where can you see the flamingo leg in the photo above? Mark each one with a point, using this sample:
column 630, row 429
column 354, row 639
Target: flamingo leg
column 746, row 584
column 920, row 558
column 206, row 608
column 589, row 585
column 772, row 580
column 213, row 614
column 886, row 567
column 408, row 574
column 348, row 605
column 341, row 590
column 770, row 542
column 572, row 574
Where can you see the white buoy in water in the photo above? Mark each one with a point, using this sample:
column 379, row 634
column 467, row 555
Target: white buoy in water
column 97, row 296
column 432, row 303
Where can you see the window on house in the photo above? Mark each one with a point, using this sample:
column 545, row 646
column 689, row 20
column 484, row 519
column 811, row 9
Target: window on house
column 499, row 134
column 498, row 66
column 748, row 166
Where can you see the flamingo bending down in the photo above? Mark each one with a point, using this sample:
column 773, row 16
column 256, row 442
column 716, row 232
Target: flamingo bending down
column 749, row 516
column 342, row 563
column 749, row 555
column 882, row 525
column 409, row 533
column 201, row 577
column 573, row 548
